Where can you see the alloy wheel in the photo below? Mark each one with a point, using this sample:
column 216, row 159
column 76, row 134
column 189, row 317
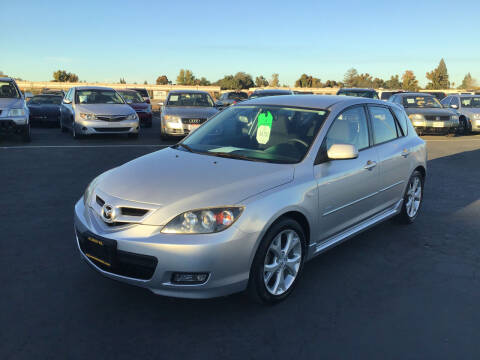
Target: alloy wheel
column 282, row 262
column 414, row 197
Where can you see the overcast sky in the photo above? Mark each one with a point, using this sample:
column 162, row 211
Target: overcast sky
column 140, row 40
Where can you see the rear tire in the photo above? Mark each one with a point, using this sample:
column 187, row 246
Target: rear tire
column 412, row 199
column 278, row 262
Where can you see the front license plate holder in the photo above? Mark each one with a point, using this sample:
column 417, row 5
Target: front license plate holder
column 100, row 251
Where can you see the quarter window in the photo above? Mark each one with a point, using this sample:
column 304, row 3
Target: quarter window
column 383, row 124
column 350, row 127
column 402, row 119
column 446, row 101
column 455, row 101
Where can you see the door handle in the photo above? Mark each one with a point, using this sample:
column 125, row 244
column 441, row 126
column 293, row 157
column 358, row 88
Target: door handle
column 405, row 153
column 370, row 165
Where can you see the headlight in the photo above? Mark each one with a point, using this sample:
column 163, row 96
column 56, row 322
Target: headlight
column 203, row 221
column 476, row 116
column 132, row 116
column 454, row 118
column 87, row 116
column 172, row 118
column 16, row 112
column 414, row 117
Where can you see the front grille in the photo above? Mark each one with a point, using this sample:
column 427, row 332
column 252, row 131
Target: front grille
column 128, row 211
column 437, row 118
column 193, row 121
column 111, row 117
column 118, row 262
column 112, row 129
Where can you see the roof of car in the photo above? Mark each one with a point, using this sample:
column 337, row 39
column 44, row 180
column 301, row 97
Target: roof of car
column 309, row 101
column 357, row 89
column 403, row 94
column 92, row 88
column 47, row 94
column 465, row 95
column 5, row 78
column 276, row 91
column 188, row 91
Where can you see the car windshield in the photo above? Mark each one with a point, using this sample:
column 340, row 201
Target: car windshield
column 53, row 100
column 238, row 96
column 8, row 90
column 142, row 92
column 258, row 133
column 97, row 96
column 359, row 93
column 132, row 96
column 471, row 102
column 419, row 101
column 190, row 99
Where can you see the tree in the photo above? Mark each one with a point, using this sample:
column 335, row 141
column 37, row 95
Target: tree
column 409, row 81
column 378, row 83
column 202, row 82
column 468, row 82
column 240, row 81
column 350, row 77
column 332, row 84
column 185, row 77
column 162, row 80
column 122, row 81
column 145, row 82
column 438, row 77
column 260, row 81
column 63, row 76
column 308, row 81
column 275, row 82
column 393, row 83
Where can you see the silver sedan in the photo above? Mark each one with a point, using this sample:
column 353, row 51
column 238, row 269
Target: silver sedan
column 245, row 200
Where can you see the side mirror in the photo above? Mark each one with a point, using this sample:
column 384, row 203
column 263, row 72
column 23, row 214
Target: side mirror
column 342, row 152
column 453, row 106
column 67, row 101
column 129, row 101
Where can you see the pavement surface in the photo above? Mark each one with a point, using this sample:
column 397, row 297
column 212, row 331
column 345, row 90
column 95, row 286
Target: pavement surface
column 394, row 292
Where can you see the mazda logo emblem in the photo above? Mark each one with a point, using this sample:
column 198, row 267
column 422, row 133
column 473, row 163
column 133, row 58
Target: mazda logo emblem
column 108, row 213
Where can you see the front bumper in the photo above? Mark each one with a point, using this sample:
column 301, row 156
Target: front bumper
column 145, row 117
column 90, row 127
column 475, row 124
column 435, row 127
column 225, row 256
column 14, row 124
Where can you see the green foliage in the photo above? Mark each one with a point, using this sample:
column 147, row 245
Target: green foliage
column 186, row 77
column 275, row 82
column 468, row 82
column 409, row 81
column 438, row 77
column 162, row 80
column 378, row 83
column 145, row 82
column 307, row 81
column 240, row 81
column 353, row 79
column 202, row 82
column 349, row 78
column 393, row 83
column 260, row 81
column 333, row 84
column 63, row 76
column 122, row 81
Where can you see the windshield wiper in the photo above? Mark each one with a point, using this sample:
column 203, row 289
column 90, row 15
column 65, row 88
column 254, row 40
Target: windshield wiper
column 235, row 156
column 184, row 146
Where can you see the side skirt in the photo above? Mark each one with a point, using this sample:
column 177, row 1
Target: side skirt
column 316, row 249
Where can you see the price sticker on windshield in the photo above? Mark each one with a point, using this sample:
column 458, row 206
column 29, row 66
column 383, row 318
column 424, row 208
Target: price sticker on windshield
column 264, row 127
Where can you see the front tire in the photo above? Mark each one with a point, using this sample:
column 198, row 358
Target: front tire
column 278, row 262
column 412, row 200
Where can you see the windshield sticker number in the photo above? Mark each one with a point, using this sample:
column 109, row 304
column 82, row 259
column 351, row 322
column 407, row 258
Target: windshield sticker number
column 264, row 127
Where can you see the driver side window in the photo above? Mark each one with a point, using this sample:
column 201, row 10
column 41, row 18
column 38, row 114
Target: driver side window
column 350, row 127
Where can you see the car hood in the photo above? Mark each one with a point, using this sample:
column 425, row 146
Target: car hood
column 105, row 109
column 430, row 111
column 41, row 109
column 470, row 111
column 8, row 103
column 139, row 106
column 177, row 181
column 190, row 111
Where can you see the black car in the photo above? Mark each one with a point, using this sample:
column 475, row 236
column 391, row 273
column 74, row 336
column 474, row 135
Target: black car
column 358, row 92
column 230, row 98
column 269, row 92
column 45, row 109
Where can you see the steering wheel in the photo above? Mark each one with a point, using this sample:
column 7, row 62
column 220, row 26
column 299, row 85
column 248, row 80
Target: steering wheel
column 298, row 141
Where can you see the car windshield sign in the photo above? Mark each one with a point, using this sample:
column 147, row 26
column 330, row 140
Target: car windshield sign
column 190, row 99
column 96, row 96
column 418, row 101
column 8, row 90
column 259, row 133
column 471, row 102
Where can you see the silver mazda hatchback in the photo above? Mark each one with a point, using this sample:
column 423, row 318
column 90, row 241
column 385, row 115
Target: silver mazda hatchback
column 245, row 200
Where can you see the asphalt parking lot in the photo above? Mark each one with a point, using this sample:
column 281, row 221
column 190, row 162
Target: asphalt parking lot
column 394, row 292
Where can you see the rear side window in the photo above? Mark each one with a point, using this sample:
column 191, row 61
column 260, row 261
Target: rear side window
column 402, row 119
column 383, row 124
column 350, row 127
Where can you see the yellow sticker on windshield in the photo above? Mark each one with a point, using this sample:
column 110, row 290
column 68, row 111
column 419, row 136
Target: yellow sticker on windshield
column 264, row 127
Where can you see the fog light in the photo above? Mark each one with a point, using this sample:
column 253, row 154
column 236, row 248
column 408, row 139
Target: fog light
column 189, row 278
